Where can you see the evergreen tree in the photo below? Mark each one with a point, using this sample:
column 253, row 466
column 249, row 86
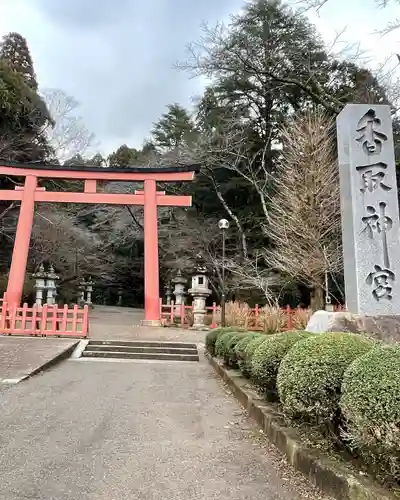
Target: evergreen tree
column 124, row 156
column 15, row 51
column 174, row 128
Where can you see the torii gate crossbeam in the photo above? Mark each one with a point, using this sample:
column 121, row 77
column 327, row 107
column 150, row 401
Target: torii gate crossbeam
column 150, row 198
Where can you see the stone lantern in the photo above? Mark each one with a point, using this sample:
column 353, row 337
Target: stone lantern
column 40, row 284
column 179, row 292
column 199, row 292
column 89, row 291
column 81, row 292
column 51, row 286
column 168, row 293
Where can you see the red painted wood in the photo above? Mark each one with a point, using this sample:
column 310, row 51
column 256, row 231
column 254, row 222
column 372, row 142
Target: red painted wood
column 101, row 176
column 22, row 238
column 33, row 320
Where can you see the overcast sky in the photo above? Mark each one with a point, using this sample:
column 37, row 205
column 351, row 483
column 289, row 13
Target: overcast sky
column 116, row 57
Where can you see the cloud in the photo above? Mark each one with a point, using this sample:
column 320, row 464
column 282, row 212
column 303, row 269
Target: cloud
column 116, row 58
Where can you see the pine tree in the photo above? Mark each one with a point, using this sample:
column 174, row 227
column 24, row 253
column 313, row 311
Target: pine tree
column 174, row 128
column 124, row 156
column 15, row 51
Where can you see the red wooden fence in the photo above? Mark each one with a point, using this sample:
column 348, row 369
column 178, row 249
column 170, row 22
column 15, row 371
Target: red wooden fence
column 172, row 314
column 44, row 321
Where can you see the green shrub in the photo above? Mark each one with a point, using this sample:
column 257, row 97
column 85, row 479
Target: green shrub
column 249, row 351
column 268, row 356
column 370, row 403
column 241, row 346
column 230, row 358
column 310, row 375
column 213, row 335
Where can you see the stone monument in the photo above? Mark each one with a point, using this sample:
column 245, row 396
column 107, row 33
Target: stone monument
column 179, row 292
column 200, row 292
column 370, row 225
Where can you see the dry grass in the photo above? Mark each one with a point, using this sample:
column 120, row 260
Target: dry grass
column 272, row 319
column 300, row 318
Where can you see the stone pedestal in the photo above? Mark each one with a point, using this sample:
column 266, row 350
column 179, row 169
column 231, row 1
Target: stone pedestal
column 200, row 292
column 89, row 291
column 151, row 322
column 40, row 284
column 380, row 327
column 81, row 293
column 168, row 294
column 120, row 292
column 179, row 292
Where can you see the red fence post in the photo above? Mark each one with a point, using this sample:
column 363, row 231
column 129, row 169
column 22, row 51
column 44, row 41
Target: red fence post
column 213, row 317
column 256, row 314
column 182, row 311
column 3, row 315
column 85, row 320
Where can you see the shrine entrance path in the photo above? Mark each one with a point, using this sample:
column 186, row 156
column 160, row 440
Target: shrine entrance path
column 123, row 323
column 118, row 431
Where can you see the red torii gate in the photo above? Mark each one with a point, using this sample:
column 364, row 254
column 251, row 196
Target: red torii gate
column 149, row 197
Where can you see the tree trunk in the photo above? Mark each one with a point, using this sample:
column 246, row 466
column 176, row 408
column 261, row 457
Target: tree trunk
column 317, row 298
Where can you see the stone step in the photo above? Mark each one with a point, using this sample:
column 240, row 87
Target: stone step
column 140, row 348
column 140, row 355
column 143, row 343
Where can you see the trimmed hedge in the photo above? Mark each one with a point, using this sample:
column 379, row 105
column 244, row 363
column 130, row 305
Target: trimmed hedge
column 213, row 335
column 248, row 353
column 241, row 346
column 268, row 356
column 225, row 344
column 230, row 350
column 310, row 375
column 370, row 403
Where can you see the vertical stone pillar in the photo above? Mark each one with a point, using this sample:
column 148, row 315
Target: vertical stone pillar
column 120, row 292
column 369, row 206
column 168, row 293
column 179, row 292
column 40, row 284
column 81, row 292
column 51, row 286
column 89, row 291
column 199, row 292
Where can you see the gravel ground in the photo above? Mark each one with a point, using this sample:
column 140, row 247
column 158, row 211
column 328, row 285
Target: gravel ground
column 119, row 431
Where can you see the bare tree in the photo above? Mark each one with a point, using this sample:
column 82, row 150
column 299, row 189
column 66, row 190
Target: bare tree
column 304, row 213
column 68, row 136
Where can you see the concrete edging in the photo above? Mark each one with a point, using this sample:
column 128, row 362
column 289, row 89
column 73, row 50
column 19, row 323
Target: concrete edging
column 331, row 477
column 53, row 361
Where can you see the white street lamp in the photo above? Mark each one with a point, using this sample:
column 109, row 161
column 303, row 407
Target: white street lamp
column 223, row 225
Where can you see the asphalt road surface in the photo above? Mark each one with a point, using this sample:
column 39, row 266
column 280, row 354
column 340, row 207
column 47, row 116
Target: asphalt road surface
column 88, row 430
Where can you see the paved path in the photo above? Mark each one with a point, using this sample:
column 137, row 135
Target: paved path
column 22, row 356
column 134, row 430
column 123, row 323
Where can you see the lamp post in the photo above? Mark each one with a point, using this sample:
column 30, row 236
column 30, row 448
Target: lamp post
column 223, row 225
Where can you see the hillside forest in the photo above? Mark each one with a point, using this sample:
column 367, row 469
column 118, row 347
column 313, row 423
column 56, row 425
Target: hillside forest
column 263, row 133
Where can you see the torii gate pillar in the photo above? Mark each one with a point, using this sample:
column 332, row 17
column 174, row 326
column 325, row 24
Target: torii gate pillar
column 30, row 193
column 151, row 264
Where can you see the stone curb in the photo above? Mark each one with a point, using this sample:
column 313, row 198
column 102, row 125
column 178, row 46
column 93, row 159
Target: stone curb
column 331, row 477
column 53, row 361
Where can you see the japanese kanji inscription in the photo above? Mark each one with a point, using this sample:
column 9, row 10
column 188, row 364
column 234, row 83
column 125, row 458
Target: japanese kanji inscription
column 369, row 206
